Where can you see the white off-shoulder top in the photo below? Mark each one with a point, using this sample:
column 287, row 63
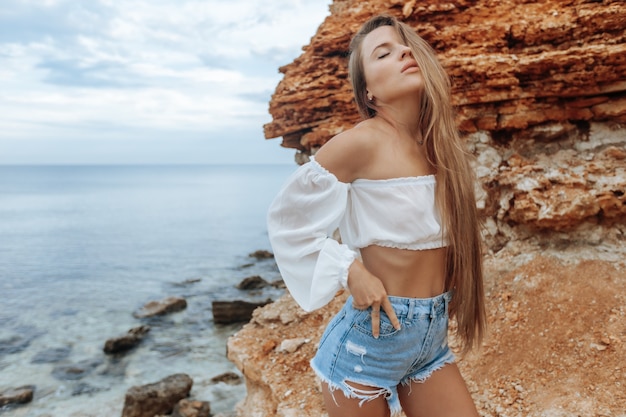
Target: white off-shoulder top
column 313, row 204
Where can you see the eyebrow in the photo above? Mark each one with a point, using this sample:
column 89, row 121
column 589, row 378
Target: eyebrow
column 382, row 45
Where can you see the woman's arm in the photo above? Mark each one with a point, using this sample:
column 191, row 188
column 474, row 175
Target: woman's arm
column 300, row 222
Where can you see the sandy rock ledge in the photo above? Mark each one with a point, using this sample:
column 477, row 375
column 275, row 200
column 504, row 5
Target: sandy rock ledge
column 555, row 346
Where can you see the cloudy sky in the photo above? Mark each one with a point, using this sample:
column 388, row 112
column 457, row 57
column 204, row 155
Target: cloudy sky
column 145, row 81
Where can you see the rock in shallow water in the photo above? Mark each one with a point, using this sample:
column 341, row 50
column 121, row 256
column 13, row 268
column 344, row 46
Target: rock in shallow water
column 253, row 283
column 158, row 398
column 262, row 254
column 127, row 341
column 21, row 395
column 162, row 307
column 229, row 378
column 188, row 408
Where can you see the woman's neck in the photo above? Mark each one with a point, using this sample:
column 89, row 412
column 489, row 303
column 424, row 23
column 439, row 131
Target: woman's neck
column 404, row 120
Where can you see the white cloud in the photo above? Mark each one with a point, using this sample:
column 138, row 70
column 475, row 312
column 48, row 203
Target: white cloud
column 68, row 67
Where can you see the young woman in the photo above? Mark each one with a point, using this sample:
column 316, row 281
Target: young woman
column 400, row 189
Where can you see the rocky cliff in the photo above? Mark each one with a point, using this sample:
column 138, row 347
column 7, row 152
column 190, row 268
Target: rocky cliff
column 540, row 92
column 514, row 64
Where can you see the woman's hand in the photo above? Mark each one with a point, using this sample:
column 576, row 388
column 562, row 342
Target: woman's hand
column 367, row 290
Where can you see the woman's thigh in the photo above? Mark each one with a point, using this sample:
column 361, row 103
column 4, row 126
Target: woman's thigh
column 444, row 393
column 338, row 405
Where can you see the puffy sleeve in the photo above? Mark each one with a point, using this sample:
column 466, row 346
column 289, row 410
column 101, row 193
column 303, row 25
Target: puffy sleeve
column 301, row 221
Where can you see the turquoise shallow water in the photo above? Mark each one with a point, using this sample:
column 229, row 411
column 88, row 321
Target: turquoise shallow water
column 82, row 247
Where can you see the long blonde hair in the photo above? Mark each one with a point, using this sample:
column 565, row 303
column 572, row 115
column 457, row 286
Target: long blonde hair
column 455, row 178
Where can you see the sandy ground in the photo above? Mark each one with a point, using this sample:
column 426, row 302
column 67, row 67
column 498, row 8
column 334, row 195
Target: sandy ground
column 557, row 335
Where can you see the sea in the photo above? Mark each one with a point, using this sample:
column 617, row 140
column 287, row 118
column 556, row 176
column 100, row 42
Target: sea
column 82, row 248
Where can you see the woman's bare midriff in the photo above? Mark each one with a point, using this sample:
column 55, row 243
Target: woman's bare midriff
column 407, row 273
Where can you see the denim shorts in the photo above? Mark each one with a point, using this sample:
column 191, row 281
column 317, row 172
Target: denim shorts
column 348, row 352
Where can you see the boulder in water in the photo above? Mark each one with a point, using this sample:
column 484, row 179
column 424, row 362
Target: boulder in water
column 158, row 398
column 162, row 307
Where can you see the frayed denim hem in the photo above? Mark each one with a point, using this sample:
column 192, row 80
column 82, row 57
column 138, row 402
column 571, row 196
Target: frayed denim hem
column 363, row 395
column 421, row 377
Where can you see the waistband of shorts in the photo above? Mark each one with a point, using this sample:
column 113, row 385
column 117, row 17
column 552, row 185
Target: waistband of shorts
column 410, row 307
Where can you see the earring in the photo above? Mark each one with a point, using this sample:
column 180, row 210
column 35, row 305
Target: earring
column 370, row 98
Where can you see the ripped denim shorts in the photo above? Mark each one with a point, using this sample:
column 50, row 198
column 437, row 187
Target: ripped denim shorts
column 348, row 352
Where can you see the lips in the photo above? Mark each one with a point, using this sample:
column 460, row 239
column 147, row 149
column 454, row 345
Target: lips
column 410, row 64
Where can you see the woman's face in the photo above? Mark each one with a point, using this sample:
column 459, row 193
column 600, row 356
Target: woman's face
column 390, row 70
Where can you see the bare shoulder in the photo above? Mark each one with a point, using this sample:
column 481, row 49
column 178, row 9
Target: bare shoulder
column 348, row 154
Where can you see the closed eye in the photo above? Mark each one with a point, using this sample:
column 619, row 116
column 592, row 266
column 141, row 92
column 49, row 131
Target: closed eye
column 383, row 55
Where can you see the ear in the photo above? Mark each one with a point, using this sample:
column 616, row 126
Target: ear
column 369, row 96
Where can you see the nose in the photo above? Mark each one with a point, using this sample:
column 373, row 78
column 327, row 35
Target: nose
column 406, row 52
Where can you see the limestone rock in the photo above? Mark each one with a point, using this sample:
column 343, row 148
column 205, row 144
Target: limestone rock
column 229, row 378
column 253, row 283
column 225, row 312
column 557, row 187
column 188, row 408
column 127, row 341
column 270, row 373
column 158, row 398
column 513, row 65
column 21, row 395
column 532, row 79
column 291, row 345
column 162, row 307
column 262, row 254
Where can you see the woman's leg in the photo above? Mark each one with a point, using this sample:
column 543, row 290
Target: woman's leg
column 443, row 394
column 338, row 405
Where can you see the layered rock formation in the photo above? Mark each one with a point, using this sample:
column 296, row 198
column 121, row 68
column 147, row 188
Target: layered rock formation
column 513, row 64
column 540, row 91
column 540, row 87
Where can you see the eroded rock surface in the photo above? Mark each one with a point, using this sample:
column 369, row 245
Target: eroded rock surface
column 161, row 307
column 127, row 341
column 513, row 65
column 158, row 398
column 20, row 395
column 540, row 87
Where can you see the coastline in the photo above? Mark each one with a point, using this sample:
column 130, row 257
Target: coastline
column 84, row 248
column 76, row 377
